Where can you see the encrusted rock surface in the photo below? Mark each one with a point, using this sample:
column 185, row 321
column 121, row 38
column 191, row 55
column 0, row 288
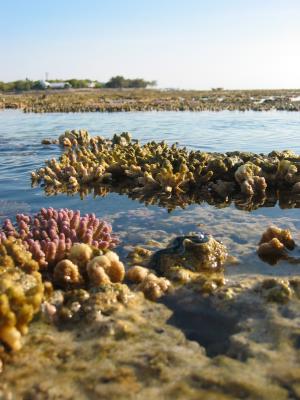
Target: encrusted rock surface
column 236, row 343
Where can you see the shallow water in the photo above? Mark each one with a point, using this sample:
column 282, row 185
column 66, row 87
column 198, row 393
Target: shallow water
column 21, row 152
column 256, row 343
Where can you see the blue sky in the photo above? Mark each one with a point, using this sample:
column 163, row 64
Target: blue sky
column 186, row 44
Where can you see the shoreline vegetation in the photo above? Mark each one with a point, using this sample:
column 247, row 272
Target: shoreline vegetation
column 116, row 82
column 142, row 99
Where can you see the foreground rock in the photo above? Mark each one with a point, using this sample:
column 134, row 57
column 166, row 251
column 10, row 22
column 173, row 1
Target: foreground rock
column 240, row 342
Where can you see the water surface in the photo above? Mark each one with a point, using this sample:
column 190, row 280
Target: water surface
column 21, row 152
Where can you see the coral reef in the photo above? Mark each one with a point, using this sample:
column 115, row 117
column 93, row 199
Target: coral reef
column 107, row 100
column 21, row 292
column 21, row 286
column 86, row 267
column 169, row 175
column 50, row 234
column 276, row 244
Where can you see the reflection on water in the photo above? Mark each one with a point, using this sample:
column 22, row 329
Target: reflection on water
column 21, row 152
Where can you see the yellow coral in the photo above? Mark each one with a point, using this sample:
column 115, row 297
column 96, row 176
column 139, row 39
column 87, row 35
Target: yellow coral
column 21, row 293
column 81, row 254
column 66, row 272
column 20, row 298
column 106, row 266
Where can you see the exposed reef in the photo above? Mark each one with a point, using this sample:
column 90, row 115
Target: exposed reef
column 106, row 100
column 156, row 173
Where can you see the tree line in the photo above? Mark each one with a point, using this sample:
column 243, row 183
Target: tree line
column 116, row 82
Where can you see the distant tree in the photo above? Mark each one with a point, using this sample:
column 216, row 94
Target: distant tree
column 99, row 85
column 121, row 82
column 152, row 83
column 79, row 83
column 36, row 85
column 116, row 82
column 22, row 85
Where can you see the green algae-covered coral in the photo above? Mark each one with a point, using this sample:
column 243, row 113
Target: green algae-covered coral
column 21, row 293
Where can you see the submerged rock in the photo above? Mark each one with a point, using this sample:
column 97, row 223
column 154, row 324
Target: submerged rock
column 236, row 343
column 196, row 253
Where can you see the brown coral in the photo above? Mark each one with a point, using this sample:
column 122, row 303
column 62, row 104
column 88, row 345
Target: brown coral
column 154, row 287
column 66, row 273
column 137, row 274
column 283, row 235
column 105, row 268
column 274, row 245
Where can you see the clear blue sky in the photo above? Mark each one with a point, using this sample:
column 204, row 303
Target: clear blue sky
column 180, row 43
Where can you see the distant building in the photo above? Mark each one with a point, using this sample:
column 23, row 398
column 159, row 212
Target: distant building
column 55, row 85
column 295, row 99
column 91, row 84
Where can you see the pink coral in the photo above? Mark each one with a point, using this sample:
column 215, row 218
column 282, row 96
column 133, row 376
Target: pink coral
column 50, row 234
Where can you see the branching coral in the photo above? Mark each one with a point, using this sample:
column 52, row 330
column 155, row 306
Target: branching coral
column 172, row 173
column 249, row 179
column 74, row 138
column 50, row 234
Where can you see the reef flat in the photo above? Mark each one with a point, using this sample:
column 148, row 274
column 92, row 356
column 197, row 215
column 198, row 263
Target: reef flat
column 115, row 100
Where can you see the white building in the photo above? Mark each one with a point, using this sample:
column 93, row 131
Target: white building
column 92, row 84
column 55, row 85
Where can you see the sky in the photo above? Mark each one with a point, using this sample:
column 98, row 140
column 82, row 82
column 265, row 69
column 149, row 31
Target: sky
column 235, row 44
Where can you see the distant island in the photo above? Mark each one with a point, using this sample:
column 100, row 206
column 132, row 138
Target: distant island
column 116, row 82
